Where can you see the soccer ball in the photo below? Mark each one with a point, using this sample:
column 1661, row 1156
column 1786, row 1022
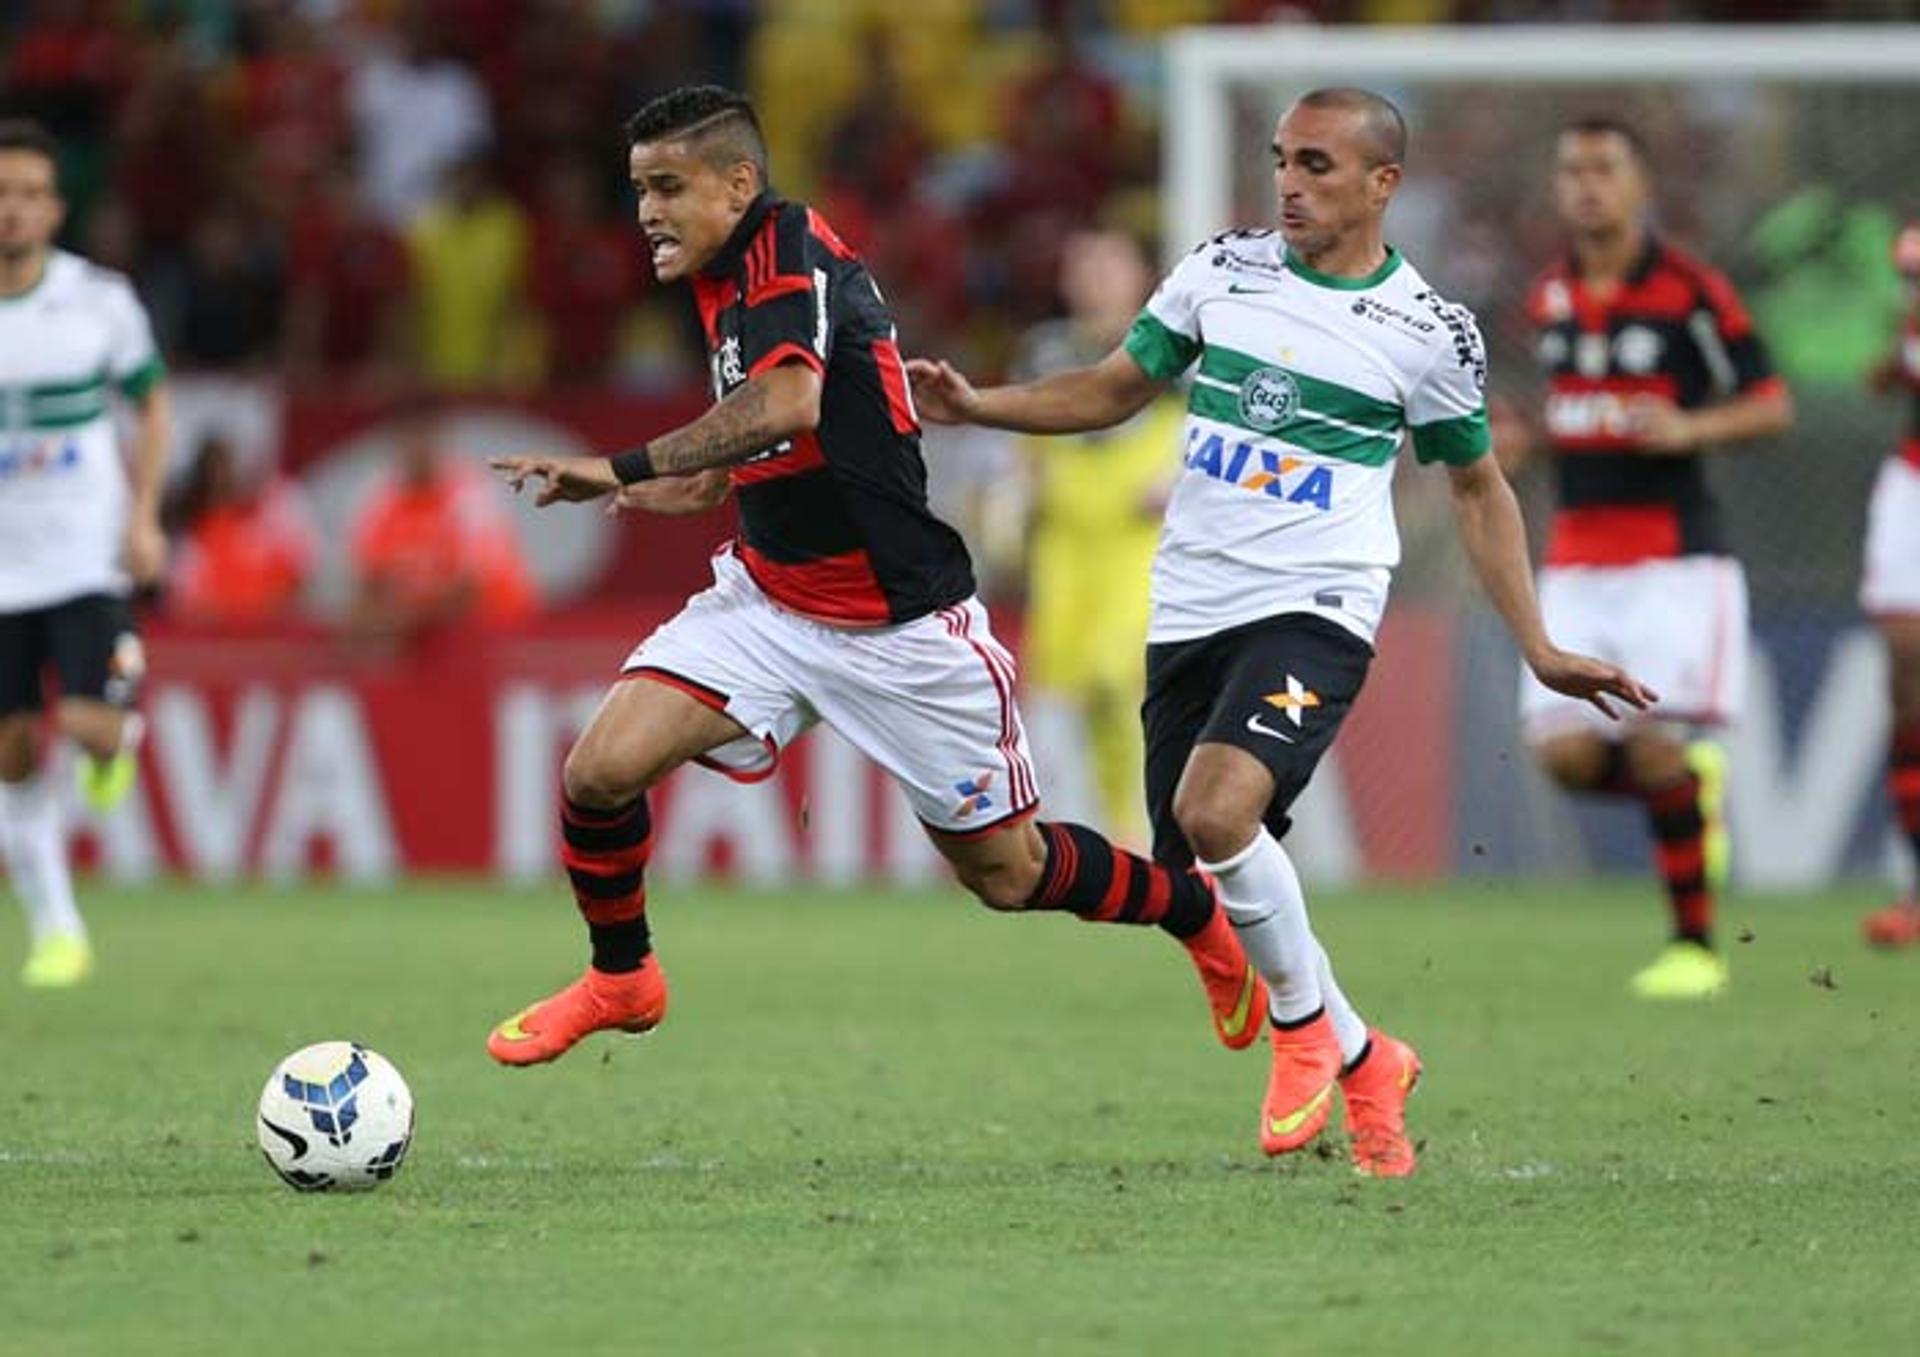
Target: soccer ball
column 335, row 1116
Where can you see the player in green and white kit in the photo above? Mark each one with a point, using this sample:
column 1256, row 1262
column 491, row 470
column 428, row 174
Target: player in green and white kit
column 1315, row 351
column 73, row 535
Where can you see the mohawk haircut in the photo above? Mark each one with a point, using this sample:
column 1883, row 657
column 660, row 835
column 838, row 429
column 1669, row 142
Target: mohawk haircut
column 1606, row 125
column 1385, row 129
column 719, row 124
column 23, row 134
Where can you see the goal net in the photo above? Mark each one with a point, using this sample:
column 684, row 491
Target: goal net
column 1782, row 156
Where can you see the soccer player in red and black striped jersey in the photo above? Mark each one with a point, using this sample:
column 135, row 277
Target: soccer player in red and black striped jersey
column 1890, row 591
column 1652, row 364
column 843, row 599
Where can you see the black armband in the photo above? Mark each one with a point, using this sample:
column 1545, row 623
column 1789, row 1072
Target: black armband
column 629, row 468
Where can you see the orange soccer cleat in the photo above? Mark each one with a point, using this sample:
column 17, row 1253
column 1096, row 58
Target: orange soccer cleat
column 1235, row 991
column 1897, row 925
column 632, row 1001
column 1306, row 1062
column 1376, row 1095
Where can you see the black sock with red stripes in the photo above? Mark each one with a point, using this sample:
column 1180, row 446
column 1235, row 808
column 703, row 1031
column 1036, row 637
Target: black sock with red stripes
column 1087, row 875
column 1903, row 783
column 1679, row 841
column 606, row 852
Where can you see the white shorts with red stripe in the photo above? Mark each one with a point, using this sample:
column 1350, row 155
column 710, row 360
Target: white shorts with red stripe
column 1890, row 585
column 931, row 701
column 1679, row 626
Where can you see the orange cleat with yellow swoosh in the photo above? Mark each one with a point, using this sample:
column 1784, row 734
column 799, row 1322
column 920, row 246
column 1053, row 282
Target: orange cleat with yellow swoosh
column 1235, row 991
column 1306, row 1063
column 1376, row 1091
column 632, row 1001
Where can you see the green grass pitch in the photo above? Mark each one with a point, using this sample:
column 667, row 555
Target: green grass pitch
column 881, row 1123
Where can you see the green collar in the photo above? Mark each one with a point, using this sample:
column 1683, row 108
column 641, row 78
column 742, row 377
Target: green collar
column 1319, row 279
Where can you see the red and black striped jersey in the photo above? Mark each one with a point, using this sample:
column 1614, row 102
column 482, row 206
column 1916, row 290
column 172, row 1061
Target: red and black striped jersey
column 833, row 523
column 1674, row 328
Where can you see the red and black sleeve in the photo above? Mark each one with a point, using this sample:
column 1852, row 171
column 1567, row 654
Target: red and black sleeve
column 786, row 317
column 1735, row 353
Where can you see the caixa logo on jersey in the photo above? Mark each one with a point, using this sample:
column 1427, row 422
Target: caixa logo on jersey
column 38, row 457
column 1261, row 470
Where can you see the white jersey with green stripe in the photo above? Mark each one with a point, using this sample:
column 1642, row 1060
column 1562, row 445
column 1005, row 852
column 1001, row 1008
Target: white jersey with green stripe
column 1306, row 385
column 65, row 345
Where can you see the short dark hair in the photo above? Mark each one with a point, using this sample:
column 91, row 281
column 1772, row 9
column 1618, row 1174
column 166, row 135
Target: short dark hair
column 1606, row 125
column 1385, row 128
column 720, row 122
column 23, row 134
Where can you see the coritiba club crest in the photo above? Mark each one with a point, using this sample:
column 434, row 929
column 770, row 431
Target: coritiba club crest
column 1268, row 399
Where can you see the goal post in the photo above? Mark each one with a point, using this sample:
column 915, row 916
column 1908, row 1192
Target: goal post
column 1204, row 65
column 1782, row 155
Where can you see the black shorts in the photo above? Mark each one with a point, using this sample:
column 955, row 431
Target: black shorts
column 1278, row 688
column 88, row 642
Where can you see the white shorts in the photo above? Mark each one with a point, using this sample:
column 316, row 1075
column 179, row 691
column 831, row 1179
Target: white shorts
column 931, row 701
column 1890, row 584
column 1679, row 626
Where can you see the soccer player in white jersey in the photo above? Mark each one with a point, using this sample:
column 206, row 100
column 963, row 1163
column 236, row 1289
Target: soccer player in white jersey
column 73, row 535
column 1318, row 348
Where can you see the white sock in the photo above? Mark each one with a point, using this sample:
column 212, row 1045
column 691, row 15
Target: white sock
column 34, row 842
column 1348, row 1025
column 1261, row 893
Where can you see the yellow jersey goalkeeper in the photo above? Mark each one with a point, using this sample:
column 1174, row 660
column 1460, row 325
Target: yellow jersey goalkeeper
column 1097, row 500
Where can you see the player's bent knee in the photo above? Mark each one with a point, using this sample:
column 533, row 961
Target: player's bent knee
column 1214, row 829
column 592, row 778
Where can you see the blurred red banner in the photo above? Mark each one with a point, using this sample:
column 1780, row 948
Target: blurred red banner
column 298, row 750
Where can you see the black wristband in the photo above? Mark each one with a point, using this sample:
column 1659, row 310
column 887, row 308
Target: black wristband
column 635, row 466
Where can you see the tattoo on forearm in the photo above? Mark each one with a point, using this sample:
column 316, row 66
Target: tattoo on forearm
column 730, row 432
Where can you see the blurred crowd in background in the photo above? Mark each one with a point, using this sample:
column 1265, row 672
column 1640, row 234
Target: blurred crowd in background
column 406, row 196
column 435, row 189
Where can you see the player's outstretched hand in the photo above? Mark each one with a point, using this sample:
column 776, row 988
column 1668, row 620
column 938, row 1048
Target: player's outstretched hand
column 558, row 478
column 1593, row 680
column 940, row 392
column 146, row 550
column 1660, row 426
